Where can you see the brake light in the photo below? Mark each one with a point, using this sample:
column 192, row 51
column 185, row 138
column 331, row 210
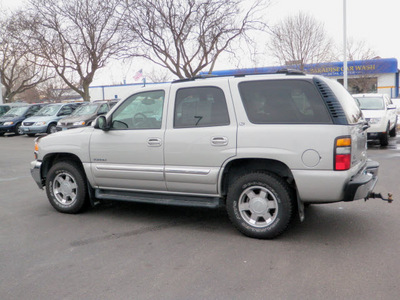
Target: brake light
column 342, row 153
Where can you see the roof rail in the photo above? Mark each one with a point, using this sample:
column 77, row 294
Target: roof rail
column 239, row 74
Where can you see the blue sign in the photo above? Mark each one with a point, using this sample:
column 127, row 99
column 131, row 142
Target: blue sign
column 356, row 67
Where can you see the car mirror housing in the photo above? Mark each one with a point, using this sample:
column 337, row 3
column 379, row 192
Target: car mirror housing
column 101, row 123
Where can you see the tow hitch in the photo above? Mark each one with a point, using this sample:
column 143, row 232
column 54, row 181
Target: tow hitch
column 389, row 199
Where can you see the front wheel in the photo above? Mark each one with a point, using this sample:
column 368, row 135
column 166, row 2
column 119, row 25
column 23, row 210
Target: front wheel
column 260, row 205
column 393, row 131
column 52, row 129
column 66, row 188
column 384, row 140
column 18, row 130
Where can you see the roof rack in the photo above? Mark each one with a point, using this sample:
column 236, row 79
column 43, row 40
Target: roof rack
column 239, row 74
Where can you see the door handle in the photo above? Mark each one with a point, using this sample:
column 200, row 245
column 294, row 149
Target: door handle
column 154, row 142
column 219, row 141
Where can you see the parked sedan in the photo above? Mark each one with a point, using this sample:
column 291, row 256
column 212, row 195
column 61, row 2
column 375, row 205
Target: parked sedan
column 46, row 119
column 85, row 114
column 11, row 121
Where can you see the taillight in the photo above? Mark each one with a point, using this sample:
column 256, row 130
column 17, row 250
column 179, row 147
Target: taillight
column 342, row 153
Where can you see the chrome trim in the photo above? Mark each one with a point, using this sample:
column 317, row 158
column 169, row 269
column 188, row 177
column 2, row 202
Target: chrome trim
column 191, row 171
column 111, row 167
column 36, row 173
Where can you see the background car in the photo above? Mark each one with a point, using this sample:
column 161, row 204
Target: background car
column 85, row 114
column 46, row 119
column 380, row 112
column 11, row 121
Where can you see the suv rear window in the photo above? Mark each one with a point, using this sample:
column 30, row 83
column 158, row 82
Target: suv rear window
column 283, row 101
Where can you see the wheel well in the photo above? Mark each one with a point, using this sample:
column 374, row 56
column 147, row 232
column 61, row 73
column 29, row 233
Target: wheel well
column 51, row 159
column 239, row 167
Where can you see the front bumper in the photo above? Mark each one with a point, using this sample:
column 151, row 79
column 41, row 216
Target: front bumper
column 362, row 184
column 5, row 129
column 34, row 129
column 36, row 173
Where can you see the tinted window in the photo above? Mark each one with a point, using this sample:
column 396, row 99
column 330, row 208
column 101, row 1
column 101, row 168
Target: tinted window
column 200, row 107
column 140, row 111
column 283, row 101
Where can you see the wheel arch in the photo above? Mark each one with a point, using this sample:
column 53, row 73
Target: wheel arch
column 236, row 168
column 52, row 158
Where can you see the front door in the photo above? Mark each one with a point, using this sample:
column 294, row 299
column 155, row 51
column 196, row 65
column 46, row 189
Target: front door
column 129, row 155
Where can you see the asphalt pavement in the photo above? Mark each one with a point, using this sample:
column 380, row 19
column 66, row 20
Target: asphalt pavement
column 137, row 251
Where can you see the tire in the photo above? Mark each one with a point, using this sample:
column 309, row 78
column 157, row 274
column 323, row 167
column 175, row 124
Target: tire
column 66, row 188
column 384, row 139
column 18, row 130
column 260, row 205
column 1, row 133
column 393, row 132
column 51, row 129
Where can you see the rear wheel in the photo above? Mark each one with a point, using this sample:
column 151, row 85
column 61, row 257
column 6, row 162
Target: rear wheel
column 260, row 205
column 66, row 188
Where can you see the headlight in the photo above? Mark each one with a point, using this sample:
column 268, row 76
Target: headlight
column 8, row 123
column 41, row 123
column 374, row 120
column 79, row 123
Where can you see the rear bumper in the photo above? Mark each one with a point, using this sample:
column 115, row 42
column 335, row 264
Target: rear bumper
column 362, row 184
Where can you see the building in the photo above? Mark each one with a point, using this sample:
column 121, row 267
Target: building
column 364, row 76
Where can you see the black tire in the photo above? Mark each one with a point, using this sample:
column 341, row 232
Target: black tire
column 384, row 139
column 18, row 130
column 52, row 128
column 1, row 133
column 260, row 205
column 66, row 188
column 393, row 132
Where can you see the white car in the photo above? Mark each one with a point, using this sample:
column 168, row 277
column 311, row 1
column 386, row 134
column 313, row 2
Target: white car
column 380, row 112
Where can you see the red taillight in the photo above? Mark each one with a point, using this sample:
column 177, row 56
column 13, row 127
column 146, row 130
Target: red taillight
column 342, row 153
column 343, row 162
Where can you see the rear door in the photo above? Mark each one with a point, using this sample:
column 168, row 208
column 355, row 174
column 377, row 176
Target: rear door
column 200, row 136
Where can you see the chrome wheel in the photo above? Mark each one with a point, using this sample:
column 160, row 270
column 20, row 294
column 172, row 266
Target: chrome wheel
column 65, row 189
column 258, row 206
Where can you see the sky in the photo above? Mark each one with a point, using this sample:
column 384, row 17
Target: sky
column 377, row 23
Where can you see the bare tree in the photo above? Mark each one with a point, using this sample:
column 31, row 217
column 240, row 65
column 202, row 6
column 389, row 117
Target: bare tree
column 300, row 40
column 186, row 36
column 76, row 37
column 18, row 67
column 363, row 82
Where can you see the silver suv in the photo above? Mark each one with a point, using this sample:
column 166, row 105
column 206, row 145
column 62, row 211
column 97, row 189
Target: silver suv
column 260, row 145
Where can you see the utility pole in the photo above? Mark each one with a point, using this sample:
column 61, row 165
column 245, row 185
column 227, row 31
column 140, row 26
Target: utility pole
column 344, row 46
column 1, row 91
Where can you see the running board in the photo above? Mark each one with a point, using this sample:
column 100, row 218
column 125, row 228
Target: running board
column 163, row 199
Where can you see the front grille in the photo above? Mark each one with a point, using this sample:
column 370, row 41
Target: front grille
column 28, row 123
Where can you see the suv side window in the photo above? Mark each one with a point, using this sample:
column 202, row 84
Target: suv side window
column 140, row 111
column 200, row 107
column 283, row 101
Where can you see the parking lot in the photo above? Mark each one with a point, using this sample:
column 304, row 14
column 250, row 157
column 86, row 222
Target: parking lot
column 137, row 251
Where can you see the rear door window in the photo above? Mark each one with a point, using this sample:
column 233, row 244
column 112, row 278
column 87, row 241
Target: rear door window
column 283, row 101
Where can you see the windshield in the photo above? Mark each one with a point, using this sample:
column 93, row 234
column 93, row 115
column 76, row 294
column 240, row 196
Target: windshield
column 87, row 109
column 370, row 103
column 49, row 110
column 16, row 111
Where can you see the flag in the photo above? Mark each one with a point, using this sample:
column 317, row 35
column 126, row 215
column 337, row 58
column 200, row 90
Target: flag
column 138, row 75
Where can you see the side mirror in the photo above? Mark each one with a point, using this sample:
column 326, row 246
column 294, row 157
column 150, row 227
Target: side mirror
column 391, row 106
column 101, row 123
